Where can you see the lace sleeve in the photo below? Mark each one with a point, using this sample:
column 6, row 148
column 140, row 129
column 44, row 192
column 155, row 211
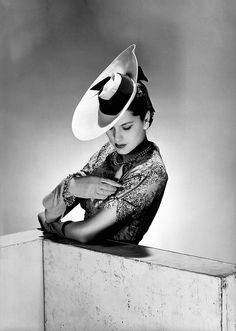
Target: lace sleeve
column 93, row 162
column 60, row 201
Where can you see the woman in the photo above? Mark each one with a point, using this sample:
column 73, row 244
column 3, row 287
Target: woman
column 122, row 185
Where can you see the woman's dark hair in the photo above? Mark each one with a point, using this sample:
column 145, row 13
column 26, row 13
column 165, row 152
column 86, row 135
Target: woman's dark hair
column 142, row 103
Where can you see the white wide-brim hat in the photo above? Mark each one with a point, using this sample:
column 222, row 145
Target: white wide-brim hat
column 89, row 120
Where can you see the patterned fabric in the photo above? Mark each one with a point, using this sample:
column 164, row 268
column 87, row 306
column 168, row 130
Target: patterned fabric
column 137, row 201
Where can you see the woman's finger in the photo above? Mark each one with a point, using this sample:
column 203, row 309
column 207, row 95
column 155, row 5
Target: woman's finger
column 110, row 182
column 106, row 192
column 108, row 188
column 101, row 196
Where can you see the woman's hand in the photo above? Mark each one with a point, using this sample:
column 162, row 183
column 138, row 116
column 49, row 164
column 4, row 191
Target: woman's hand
column 92, row 187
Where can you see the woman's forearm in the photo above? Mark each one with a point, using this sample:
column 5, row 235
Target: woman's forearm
column 86, row 231
column 54, row 204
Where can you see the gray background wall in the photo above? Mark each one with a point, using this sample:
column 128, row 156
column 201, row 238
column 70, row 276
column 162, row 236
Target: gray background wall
column 51, row 51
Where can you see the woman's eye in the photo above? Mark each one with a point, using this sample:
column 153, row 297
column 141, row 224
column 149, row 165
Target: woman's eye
column 127, row 127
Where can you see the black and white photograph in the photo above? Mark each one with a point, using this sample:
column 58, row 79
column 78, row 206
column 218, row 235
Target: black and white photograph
column 118, row 135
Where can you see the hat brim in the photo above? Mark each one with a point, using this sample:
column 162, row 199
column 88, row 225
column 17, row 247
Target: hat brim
column 88, row 122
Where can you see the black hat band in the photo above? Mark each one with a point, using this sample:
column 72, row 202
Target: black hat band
column 118, row 101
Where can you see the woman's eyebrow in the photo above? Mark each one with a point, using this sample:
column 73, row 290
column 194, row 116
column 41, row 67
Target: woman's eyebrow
column 127, row 123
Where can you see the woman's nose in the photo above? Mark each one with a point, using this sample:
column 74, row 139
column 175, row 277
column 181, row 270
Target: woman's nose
column 117, row 136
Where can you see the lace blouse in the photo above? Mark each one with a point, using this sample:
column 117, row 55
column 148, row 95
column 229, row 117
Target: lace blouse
column 143, row 182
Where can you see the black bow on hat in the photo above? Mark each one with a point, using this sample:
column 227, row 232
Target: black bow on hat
column 114, row 105
column 99, row 86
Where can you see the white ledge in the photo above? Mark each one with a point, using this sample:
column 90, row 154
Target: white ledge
column 20, row 238
column 157, row 256
column 141, row 253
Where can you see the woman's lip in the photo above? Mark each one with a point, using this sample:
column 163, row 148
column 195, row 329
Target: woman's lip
column 120, row 146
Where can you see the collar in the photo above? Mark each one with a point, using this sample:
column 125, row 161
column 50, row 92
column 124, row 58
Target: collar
column 139, row 151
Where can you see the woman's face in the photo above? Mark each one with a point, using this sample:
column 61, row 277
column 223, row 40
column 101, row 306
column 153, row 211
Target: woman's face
column 127, row 133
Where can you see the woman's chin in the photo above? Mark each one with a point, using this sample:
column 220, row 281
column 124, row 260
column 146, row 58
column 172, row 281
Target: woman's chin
column 123, row 151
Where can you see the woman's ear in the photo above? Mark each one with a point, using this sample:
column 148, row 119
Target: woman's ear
column 146, row 121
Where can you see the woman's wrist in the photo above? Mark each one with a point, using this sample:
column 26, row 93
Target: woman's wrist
column 76, row 186
column 72, row 187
